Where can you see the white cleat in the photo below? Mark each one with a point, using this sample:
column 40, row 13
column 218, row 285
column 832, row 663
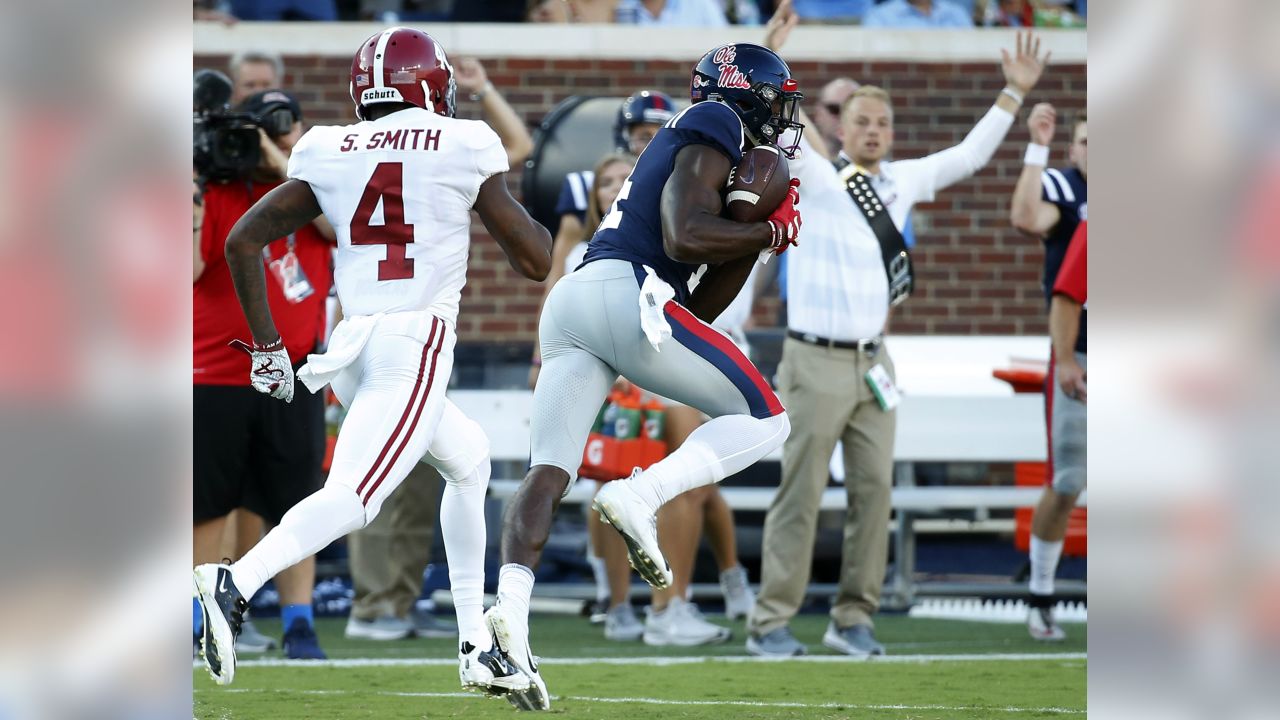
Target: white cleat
column 622, row 508
column 1042, row 626
column 511, row 636
column 489, row 671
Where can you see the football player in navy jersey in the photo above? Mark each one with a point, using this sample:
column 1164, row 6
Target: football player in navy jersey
column 1050, row 204
column 627, row 311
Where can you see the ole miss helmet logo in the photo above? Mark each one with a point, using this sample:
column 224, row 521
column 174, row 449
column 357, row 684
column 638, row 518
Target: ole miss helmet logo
column 730, row 76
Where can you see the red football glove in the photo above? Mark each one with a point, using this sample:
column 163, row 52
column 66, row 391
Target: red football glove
column 784, row 221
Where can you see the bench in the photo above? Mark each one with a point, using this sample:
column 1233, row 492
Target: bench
column 952, row 411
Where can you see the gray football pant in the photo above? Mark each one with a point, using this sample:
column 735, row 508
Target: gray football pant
column 590, row 334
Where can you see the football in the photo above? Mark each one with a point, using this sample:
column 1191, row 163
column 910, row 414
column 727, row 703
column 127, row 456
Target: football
column 757, row 184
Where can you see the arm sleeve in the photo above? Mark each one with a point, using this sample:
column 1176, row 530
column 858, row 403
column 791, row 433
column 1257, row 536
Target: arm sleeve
column 942, row 169
column 712, row 123
column 1073, row 278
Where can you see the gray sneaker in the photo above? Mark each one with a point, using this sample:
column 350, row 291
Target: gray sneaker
column 857, row 641
column 427, row 625
column 738, row 598
column 778, row 643
column 622, row 624
column 252, row 641
column 383, row 628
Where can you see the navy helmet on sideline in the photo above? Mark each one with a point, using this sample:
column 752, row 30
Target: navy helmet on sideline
column 644, row 106
column 757, row 85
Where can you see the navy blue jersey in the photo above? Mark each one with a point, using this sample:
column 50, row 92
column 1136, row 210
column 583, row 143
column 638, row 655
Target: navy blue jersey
column 1066, row 189
column 574, row 193
column 632, row 230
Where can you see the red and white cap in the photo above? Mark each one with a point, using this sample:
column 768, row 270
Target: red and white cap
column 402, row 65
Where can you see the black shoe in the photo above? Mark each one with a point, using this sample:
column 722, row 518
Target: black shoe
column 223, row 608
column 489, row 671
column 301, row 643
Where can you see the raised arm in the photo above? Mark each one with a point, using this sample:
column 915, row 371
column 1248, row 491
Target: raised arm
column 526, row 243
column 473, row 80
column 280, row 212
column 1029, row 212
column 1021, row 73
column 692, row 229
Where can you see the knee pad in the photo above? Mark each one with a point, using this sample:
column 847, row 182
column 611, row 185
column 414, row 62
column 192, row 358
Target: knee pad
column 1069, row 481
column 464, row 459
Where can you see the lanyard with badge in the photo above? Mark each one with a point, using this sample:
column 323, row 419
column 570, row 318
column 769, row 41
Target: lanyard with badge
column 897, row 264
column 288, row 271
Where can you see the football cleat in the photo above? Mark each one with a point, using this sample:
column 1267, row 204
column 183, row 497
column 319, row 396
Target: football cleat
column 1042, row 626
column 511, row 636
column 489, row 671
column 223, row 608
column 622, row 508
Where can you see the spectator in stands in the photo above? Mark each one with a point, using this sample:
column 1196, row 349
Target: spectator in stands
column 917, row 14
column 249, row 450
column 690, row 13
column 826, row 112
column 829, row 11
column 576, row 11
column 253, row 71
column 1007, row 13
column 1050, row 203
column 285, row 9
column 388, row 558
column 836, row 376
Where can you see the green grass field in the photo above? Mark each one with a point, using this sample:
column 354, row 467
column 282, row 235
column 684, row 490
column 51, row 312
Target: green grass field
column 936, row 669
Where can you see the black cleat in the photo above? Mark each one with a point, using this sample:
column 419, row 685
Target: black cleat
column 489, row 671
column 223, row 608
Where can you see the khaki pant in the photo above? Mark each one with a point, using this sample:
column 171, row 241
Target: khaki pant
column 828, row 399
column 388, row 557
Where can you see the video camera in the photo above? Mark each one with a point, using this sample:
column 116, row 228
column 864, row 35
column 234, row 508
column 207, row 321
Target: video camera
column 225, row 143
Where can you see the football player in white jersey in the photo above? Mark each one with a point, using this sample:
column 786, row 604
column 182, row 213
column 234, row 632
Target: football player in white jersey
column 398, row 187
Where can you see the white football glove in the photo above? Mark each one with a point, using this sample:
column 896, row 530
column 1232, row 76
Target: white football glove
column 270, row 371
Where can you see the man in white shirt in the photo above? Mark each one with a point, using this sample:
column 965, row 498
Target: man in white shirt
column 838, row 303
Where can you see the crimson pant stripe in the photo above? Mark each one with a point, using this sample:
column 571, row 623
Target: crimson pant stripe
column 422, row 403
column 404, row 417
column 726, row 357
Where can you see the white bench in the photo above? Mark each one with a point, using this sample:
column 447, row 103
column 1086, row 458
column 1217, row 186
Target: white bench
column 953, row 410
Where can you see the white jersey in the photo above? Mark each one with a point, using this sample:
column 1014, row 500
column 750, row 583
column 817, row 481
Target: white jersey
column 399, row 192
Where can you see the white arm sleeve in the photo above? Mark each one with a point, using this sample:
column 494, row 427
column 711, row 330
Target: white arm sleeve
column 942, row 169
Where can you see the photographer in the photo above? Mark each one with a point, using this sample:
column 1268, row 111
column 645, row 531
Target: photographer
column 249, row 450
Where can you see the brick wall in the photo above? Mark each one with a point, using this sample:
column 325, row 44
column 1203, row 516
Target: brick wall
column 977, row 275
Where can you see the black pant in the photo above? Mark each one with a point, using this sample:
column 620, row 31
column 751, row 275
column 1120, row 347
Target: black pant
column 254, row 451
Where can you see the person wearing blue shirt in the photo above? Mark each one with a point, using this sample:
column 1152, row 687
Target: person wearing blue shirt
column 917, row 14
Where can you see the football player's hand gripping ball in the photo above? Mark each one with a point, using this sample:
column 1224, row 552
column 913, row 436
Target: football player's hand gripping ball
column 784, row 221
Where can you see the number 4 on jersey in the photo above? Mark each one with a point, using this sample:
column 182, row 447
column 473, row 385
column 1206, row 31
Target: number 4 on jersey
column 387, row 185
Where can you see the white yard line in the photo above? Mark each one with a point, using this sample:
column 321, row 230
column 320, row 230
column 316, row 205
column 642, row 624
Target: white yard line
column 658, row 661
column 699, row 703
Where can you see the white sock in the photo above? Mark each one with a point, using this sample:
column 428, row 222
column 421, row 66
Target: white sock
column 515, row 586
column 463, row 528
column 601, row 575
column 1044, row 565
column 716, row 450
column 308, row 527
